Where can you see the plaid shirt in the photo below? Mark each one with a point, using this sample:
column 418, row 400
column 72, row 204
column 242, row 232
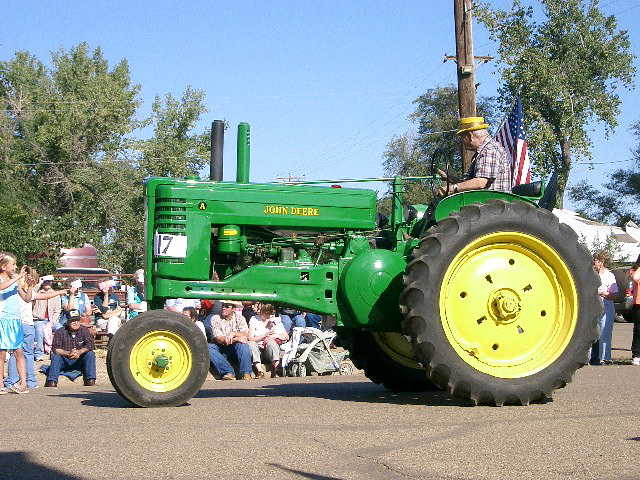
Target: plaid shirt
column 490, row 162
column 65, row 341
column 221, row 327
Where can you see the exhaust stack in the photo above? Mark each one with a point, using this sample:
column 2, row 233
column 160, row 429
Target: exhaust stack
column 244, row 143
column 217, row 147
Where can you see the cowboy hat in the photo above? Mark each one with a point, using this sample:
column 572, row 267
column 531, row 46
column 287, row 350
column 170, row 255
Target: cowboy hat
column 468, row 124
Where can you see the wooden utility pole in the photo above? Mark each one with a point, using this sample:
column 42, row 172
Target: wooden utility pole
column 465, row 60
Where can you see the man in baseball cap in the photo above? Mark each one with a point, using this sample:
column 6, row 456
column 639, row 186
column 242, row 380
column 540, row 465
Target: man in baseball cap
column 489, row 167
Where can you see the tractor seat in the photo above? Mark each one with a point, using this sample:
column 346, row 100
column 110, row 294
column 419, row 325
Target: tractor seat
column 533, row 189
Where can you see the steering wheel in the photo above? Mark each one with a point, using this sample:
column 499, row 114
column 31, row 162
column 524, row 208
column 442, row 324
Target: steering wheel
column 435, row 166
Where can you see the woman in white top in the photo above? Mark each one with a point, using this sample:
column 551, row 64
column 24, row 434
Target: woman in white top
column 601, row 350
column 266, row 334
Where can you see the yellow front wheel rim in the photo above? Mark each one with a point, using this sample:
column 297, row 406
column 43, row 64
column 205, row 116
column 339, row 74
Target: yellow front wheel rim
column 161, row 361
column 508, row 304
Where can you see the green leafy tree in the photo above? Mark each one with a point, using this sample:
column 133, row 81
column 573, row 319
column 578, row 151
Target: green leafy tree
column 618, row 202
column 437, row 118
column 17, row 227
column 63, row 129
column 71, row 168
column 174, row 150
column 568, row 68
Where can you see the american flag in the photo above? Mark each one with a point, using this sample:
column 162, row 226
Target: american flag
column 512, row 137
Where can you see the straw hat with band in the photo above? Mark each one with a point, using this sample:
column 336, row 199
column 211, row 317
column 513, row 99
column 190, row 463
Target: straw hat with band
column 468, row 124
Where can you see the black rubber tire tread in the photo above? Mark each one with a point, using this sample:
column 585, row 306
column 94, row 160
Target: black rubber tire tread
column 366, row 355
column 119, row 352
column 420, row 302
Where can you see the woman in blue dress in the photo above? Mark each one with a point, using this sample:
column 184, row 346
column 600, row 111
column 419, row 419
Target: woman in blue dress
column 11, row 334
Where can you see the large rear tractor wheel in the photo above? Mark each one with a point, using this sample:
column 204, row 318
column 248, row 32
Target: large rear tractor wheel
column 386, row 359
column 501, row 303
column 158, row 359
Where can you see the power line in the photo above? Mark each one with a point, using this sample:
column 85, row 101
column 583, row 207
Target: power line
column 605, row 163
column 626, row 10
column 366, row 126
column 342, row 158
column 91, row 162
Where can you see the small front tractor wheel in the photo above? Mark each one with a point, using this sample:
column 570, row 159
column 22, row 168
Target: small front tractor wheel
column 501, row 303
column 158, row 359
column 386, row 359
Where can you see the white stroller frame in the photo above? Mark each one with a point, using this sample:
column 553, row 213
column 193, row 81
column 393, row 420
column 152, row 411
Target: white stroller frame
column 296, row 353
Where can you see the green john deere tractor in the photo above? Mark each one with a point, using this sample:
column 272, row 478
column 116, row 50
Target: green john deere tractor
column 484, row 294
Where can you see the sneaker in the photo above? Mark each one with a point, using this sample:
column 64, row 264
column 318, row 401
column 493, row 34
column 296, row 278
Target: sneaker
column 635, row 361
column 228, row 376
column 247, row 376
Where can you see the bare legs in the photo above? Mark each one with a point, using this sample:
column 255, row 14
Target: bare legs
column 22, row 368
column 276, row 368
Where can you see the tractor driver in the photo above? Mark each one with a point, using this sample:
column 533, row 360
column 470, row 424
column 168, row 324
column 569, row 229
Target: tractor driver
column 489, row 167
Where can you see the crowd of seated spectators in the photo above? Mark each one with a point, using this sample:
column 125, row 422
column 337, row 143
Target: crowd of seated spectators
column 246, row 334
column 242, row 336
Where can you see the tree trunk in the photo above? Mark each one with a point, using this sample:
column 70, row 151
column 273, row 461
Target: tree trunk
column 565, row 169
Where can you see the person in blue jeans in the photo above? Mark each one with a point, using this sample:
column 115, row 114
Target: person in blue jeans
column 313, row 320
column 72, row 349
column 229, row 332
column 45, row 310
column 291, row 318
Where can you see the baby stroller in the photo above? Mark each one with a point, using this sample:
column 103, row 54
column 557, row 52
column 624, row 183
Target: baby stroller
column 308, row 351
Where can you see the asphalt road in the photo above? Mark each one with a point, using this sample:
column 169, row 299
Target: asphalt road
column 327, row 428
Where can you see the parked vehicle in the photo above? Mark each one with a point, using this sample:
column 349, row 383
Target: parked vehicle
column 623, row 307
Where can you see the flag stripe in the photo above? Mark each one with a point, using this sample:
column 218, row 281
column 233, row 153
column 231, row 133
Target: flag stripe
column 512, row 137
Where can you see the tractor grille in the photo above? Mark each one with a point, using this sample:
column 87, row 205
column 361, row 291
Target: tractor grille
column 170, row 215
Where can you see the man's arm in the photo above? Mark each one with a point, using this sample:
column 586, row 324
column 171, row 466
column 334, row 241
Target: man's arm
column 477, row 183
column 69, row 305
column 57, row 346
column 88, row 343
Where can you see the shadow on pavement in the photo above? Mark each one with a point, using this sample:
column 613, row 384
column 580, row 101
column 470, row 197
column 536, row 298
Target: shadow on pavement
column 99, row 399
column 18, row 465
column 344, row 391
column 348, row 392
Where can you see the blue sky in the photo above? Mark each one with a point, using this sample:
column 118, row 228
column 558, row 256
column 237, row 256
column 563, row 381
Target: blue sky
column 324, row 85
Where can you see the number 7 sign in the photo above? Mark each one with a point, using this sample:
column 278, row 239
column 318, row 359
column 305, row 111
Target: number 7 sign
column 165, row 245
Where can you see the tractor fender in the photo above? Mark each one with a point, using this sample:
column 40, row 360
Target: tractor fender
column 370, row 287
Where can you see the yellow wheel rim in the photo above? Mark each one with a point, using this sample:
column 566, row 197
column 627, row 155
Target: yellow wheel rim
column 397, row 347
column 160, row 361
column 508, row 305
